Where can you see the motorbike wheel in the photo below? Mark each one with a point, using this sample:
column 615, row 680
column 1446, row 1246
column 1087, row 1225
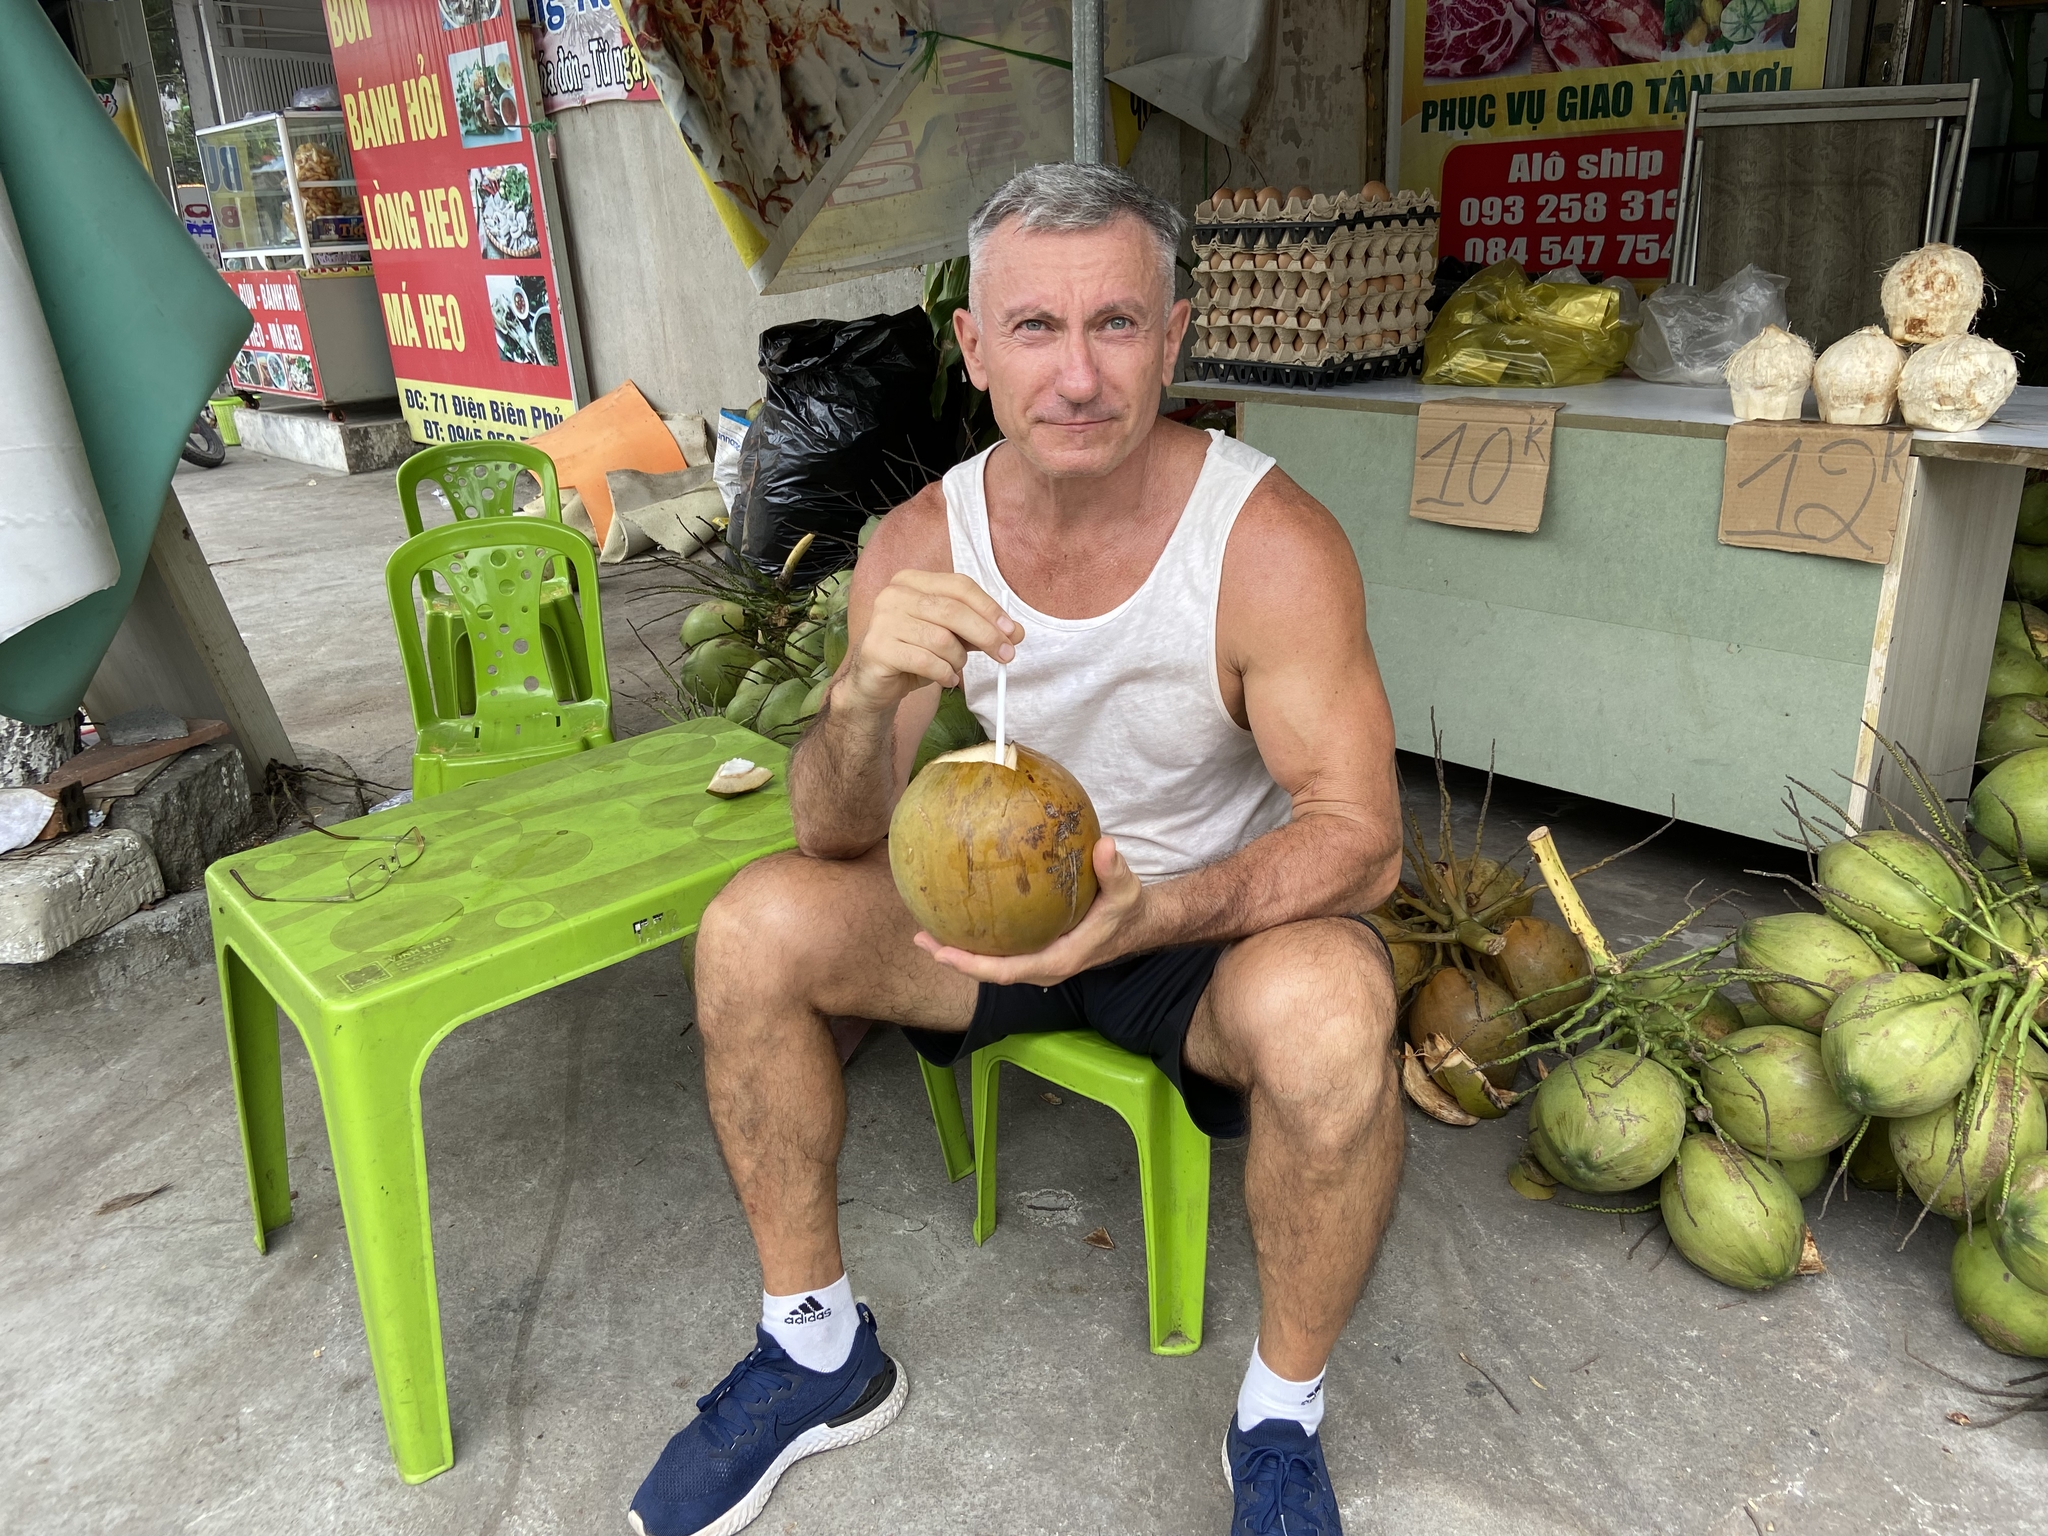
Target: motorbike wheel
column 203, row 445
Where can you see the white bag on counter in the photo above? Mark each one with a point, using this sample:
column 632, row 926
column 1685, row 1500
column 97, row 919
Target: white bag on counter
column 1689, row 334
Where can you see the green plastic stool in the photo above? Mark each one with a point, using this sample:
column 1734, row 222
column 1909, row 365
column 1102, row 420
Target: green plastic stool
column 478, row 480
column 379, row 940
column 1173, row 1159
column 496, row 571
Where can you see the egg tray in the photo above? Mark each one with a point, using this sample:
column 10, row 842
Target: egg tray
column 1345, row 211
column 1209, row 238
column 1269, row 234
column 1350, row 370
column 1295, row 296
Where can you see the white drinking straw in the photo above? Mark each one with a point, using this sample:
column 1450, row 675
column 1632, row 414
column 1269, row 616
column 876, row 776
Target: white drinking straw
column 1002, row 679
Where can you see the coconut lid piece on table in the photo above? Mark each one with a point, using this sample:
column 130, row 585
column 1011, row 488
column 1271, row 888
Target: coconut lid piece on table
column 737, row 776
column 1856, row 380
column 1932, row 293
column 1956, row 385
column 1767, row 376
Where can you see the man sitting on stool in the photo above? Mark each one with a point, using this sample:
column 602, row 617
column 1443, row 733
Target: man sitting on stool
column 1184, row 629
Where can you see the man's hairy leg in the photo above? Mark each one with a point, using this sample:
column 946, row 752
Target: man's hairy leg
column 790, row 942
column 1301, row 1016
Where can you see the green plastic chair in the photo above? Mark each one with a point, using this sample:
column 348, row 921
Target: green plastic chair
column 1173, row 1158
column 496, row 571
column 381, row 939
column 478, row 480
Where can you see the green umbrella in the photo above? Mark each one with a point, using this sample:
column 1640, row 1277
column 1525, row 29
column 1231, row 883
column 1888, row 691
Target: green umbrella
column 143, row 327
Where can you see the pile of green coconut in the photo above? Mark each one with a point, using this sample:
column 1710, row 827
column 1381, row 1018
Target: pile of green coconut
column 762, row 651
column 2016, row 694
column 1894, row 1036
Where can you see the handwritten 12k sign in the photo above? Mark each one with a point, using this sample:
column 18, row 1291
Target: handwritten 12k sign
column 1809, row 488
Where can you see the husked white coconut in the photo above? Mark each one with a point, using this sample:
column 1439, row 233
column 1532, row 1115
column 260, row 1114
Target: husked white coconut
column 1931, row 294
column 1767, row 376
column 1857, row 379
column 1956, row 385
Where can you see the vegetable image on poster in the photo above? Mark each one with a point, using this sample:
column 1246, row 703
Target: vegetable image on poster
column 1553, row 133
column 485, row 107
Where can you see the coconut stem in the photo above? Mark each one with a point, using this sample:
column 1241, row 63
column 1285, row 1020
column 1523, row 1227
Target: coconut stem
column 796, row 555
column 1566, row 895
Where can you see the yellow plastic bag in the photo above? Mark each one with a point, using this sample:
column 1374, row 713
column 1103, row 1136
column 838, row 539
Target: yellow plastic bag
column 1500, row 329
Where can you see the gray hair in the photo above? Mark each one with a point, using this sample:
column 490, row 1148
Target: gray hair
column 1067, row 197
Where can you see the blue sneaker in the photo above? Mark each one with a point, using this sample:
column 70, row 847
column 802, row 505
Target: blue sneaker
column 769, row 1413
column 1282, row 1488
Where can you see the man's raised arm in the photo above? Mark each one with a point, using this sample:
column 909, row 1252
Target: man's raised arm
column 910, row 622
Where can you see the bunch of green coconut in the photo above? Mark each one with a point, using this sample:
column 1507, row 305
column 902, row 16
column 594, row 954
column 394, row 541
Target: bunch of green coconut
column 762, row 652
column 766, row 670
column 1900, row 1028
column 1475, row 971
column 2016, row 693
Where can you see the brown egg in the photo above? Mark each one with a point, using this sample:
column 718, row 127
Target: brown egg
column 1241, row 262
column 1375, row 192
column 1268, row 195
column 1225, row 199
column 1299, row 194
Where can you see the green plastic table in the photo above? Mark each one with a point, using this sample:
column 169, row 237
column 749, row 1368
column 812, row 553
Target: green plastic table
column 525, row 882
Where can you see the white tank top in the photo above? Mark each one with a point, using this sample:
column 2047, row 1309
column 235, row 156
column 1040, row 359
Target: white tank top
column 1128, row 700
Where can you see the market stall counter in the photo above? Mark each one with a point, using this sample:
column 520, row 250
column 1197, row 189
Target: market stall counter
column 1622, row 650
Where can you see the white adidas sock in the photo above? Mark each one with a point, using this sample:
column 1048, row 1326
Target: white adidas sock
column 814, row 1328
column 1265, row 1395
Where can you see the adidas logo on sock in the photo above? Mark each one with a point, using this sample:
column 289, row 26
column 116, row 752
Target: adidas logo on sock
column 809, row 1310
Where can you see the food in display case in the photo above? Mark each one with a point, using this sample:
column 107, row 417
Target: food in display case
column 263, row 172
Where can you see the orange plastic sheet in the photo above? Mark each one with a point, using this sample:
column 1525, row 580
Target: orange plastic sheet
column 615, row 431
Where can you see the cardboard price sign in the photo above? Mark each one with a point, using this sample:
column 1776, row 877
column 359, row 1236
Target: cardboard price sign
column 1482, row 463
column 1815, row 489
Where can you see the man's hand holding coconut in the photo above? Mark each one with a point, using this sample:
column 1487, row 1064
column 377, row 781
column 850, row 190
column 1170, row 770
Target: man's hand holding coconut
column 1183, row 635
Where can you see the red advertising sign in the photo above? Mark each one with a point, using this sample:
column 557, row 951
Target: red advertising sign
column 1606, row 203
column 278, row 356
column 435, row 97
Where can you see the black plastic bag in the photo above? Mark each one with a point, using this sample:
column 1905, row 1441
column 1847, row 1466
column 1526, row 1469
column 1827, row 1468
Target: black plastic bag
column 846, row 431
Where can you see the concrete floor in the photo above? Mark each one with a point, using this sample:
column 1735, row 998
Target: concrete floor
column 159, row 1376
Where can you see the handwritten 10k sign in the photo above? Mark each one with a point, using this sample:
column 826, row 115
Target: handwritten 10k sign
column 1811, row 488
column 1483, row 463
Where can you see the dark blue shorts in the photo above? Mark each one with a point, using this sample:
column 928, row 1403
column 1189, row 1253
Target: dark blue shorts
column 1144, row 1004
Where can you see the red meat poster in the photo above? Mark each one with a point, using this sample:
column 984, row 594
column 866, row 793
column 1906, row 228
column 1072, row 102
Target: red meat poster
column 1552, row 130
column 435, row 94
